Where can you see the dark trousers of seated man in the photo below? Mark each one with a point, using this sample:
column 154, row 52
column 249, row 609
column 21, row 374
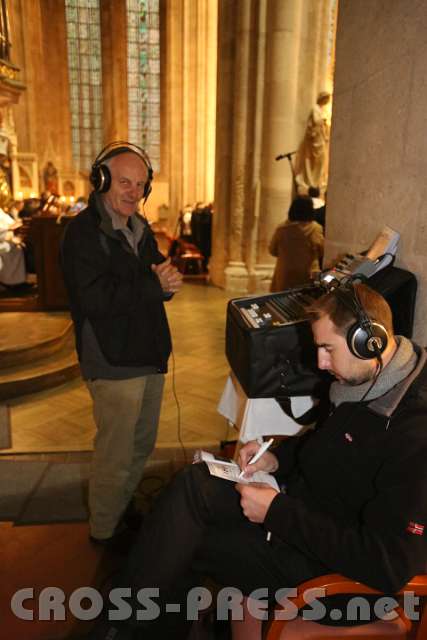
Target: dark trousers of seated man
column 196, row 530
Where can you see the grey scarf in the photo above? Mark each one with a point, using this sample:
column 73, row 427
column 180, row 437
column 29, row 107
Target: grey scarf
column 400, row 366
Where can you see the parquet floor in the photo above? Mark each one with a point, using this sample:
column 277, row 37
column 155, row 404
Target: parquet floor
column 60, row 420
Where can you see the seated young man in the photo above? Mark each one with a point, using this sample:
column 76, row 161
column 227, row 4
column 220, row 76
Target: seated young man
column 356, row 489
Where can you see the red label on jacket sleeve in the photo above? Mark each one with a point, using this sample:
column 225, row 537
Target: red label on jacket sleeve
column 414, row 527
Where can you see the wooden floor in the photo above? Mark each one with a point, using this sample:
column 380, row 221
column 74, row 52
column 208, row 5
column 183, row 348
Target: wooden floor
column 60, row 422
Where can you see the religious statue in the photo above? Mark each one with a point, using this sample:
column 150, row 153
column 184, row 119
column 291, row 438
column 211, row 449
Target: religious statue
column 50, row 178
column 311, row 164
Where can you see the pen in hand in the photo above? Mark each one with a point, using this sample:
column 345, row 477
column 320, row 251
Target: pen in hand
column 263, row 448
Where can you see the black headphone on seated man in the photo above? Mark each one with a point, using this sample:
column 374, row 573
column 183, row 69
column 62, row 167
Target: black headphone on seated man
column 366, row 338
column 100, row 176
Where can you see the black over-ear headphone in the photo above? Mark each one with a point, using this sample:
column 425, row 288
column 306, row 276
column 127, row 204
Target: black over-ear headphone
column 100, row 176
column 366, row 339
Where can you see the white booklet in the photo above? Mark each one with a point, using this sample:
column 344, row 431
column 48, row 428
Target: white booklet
column 230, row 470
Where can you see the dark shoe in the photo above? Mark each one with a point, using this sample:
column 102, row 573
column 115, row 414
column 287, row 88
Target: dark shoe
column 120, row 542
column 106, row 542
column 132, row 517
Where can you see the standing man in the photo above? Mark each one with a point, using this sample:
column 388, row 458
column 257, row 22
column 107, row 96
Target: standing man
column 117, row 282
column 356, row 488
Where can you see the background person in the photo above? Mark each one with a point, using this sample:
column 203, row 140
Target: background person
column 117, row 282
column 12, row 258
column 297, row 244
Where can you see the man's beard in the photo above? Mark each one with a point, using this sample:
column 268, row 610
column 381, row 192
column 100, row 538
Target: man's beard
column 361, row 379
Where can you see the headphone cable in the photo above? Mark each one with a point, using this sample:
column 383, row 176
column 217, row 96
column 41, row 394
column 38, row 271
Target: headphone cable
column 178, row 408
column 378, row 370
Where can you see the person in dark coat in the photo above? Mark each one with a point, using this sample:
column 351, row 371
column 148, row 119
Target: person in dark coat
column 117, row 282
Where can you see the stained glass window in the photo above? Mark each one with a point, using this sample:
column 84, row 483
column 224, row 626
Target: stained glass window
column 84, row 67
column 144, row 76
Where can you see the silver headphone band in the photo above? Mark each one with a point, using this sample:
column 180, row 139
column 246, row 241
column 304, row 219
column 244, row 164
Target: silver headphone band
column 102, row 180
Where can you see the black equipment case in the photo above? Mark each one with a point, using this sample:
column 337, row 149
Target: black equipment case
column 281, row 361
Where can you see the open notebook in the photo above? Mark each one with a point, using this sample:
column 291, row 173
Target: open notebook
column 230, row 470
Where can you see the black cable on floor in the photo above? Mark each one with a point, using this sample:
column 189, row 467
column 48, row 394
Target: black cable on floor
column 178, row 407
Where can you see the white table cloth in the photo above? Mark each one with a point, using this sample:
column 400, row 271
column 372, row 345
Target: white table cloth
column 255, row 417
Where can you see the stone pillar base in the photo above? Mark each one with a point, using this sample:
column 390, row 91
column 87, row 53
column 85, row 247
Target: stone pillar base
column 236, row 277
column 260, row 278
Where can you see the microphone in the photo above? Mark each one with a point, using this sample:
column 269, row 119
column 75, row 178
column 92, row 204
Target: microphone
column 285, row 155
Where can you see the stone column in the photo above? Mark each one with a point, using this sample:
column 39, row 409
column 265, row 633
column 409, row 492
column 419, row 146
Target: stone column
column 114, row 69
column 53, row 104
column 236, row 272
column 191, row 89
column 236, row 113
column 40, row 45
column 27, row 36
column 174, row 115
column 223, row 153
column 279, row 89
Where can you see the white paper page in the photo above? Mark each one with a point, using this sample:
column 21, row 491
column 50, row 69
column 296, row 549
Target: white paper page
column 231, row 471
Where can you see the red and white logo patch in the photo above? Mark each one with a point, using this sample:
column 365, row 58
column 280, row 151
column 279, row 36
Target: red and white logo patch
column 414, row 527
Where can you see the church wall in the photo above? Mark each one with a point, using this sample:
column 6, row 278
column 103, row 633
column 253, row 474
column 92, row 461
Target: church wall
column 39, row 48
column 378, row 145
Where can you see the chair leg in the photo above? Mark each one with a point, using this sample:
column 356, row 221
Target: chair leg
column 249, row 628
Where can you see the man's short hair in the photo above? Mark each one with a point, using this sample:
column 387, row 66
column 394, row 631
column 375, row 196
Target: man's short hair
column 301, row 210
column 334, row 305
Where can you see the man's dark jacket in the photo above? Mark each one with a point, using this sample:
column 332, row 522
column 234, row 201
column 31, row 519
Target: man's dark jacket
column 115, row 289
column 357, row 488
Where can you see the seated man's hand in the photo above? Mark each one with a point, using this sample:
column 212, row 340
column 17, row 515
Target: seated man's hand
column 256, row 500
column 268, row 461
column 169, row 276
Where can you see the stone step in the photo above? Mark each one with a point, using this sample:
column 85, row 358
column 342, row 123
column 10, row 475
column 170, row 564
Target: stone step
column 27, row 337
column 44, row 373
